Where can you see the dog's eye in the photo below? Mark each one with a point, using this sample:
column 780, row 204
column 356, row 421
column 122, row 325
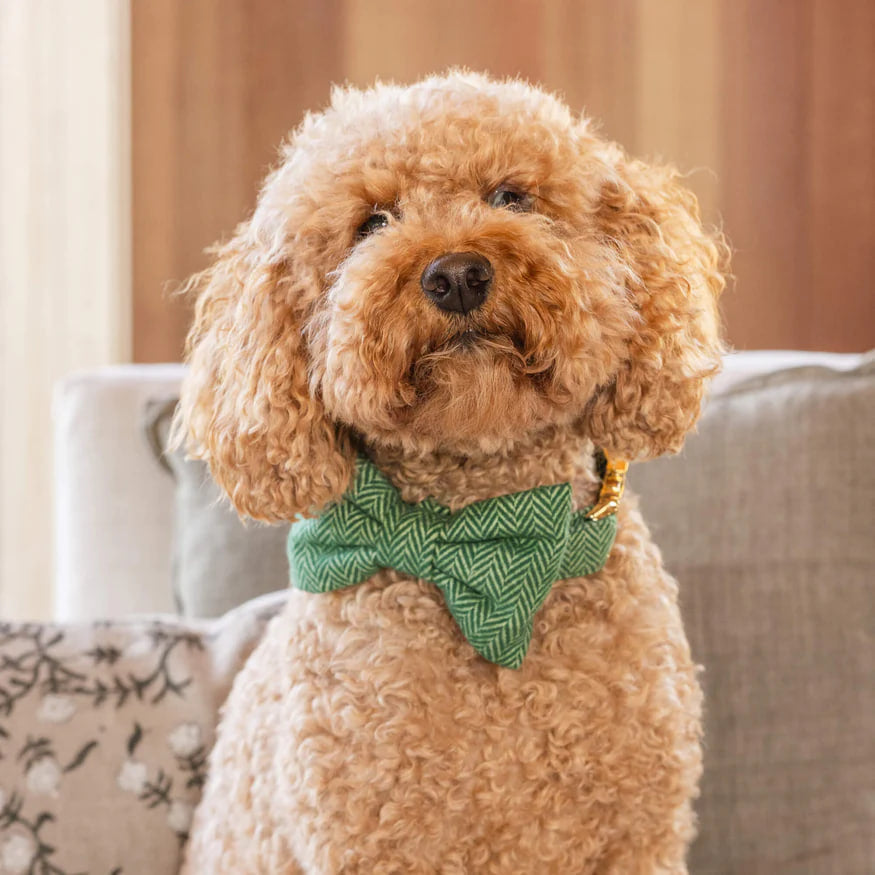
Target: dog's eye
column 371, row 224
column 510, row 199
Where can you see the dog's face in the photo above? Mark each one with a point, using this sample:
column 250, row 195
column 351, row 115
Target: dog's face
column 466, row 296
column 454, row 266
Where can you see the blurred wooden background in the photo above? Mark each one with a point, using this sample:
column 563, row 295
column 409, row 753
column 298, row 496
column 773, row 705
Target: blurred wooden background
column 769, row 102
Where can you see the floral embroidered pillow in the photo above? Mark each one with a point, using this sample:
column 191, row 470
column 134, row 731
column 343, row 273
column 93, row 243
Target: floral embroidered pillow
column 105, row 730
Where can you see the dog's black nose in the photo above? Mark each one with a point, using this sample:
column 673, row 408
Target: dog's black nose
column 457, row 282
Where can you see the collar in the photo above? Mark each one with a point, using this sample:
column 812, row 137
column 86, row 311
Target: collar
column 495, row 560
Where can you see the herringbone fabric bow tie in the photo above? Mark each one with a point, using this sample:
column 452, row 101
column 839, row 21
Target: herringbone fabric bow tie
column 495, row 560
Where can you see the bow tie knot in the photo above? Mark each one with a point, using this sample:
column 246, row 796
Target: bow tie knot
column 494, row 560
column 411, row 540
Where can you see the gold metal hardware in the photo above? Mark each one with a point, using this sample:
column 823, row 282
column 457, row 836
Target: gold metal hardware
column 613, row 484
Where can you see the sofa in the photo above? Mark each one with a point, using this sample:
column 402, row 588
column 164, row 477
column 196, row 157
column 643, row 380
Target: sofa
column 766, row 518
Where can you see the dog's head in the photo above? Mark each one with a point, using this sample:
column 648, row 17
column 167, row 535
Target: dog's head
column 452, row 266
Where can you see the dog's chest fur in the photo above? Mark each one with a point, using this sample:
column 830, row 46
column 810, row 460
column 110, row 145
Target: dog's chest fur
column 384, row 737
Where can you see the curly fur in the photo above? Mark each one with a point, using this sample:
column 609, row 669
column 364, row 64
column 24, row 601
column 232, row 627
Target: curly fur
column 364, row 734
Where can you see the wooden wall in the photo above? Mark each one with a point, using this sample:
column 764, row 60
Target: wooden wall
column 769, row 102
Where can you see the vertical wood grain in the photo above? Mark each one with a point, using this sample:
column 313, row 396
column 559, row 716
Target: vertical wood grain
column 157, row 53
column 840, row 173
column 64, row 250
column 589, row 56
column 404, row 41
column 766, row 103
column 765, row 89
column 678, row 94
column 217, row 84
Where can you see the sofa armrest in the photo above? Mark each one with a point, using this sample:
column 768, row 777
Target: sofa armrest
column 113, row 506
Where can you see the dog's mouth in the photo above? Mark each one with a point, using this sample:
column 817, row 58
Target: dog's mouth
column 474, row 338
column 466, row 339
column 471, row 339
column 472, row 347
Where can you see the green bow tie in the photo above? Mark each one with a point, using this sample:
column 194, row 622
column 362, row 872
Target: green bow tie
column 494, row 561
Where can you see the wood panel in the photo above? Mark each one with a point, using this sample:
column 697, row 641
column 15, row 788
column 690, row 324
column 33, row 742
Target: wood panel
column 767, row 103
column 841, row 175
column 763, row 192
column 677, row 88
column 403, row 41
column 216, row 86
column 589, row 56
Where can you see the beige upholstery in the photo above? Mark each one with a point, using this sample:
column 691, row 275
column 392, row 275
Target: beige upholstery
column 767, row 520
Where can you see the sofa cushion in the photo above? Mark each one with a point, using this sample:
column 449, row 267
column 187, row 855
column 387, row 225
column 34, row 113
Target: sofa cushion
column 104, row 733
column 218, row 561
column 767, row 519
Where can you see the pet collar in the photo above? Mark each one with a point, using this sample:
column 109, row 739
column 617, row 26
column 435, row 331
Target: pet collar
column 494, row 560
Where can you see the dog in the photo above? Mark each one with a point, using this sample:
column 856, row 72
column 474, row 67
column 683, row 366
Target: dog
column 464, row 288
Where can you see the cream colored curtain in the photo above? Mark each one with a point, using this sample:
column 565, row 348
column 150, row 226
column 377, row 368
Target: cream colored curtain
column 64, row 250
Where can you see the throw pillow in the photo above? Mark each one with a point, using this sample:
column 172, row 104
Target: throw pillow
column 219, row 561
column 105, row 730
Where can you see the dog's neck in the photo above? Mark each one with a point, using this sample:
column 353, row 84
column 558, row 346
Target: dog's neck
column 457, row 480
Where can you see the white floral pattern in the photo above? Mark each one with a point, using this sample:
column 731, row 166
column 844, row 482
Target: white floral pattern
column 44, row 776
column 185, row 739
column 133, row 776
column 16, row 853
column 179, row 816
column 56, row 709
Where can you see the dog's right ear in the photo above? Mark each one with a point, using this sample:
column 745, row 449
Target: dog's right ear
column 246, row 406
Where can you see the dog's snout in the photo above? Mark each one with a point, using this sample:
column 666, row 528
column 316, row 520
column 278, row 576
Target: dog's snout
column 457, row 282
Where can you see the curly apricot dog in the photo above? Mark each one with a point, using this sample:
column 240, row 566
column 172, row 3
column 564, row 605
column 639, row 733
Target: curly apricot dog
column 466, row 284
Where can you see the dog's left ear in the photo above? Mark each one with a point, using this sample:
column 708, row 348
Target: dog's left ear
column 674, row 276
